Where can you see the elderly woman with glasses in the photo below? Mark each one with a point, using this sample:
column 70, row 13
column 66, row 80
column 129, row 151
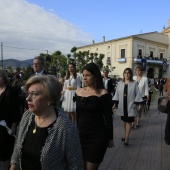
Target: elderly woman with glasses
column 46, row 140
column 126, row 98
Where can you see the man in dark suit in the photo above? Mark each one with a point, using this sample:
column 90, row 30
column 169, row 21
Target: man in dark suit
column 108, row 83
column 38, row 66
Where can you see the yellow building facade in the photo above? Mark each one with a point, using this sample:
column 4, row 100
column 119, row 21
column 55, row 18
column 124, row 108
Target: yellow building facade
column 150, row 50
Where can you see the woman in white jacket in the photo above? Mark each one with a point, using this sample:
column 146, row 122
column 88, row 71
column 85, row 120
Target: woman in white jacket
column 143, row 89
column 126, row 98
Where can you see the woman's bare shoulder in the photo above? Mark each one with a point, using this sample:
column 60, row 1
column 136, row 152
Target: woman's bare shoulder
column 103, row 91
column 79, row 91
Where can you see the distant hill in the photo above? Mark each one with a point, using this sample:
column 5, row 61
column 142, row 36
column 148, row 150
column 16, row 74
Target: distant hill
column 16, row 63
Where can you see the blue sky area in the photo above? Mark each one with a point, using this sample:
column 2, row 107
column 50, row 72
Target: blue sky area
column 31, row 27
column 109, row 18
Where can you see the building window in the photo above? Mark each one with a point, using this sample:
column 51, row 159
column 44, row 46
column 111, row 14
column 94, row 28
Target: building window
column 139, row 53
column 161, row 55
column 108, row 61
column 151, row 54
column 122, row 53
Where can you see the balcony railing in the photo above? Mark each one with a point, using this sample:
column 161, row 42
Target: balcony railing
column 150, row 60
column 121, row 60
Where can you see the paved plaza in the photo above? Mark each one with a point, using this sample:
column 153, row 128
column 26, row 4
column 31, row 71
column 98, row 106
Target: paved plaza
column 146, row 150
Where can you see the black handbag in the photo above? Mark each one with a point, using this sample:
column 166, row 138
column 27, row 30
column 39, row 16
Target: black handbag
column 162, row 104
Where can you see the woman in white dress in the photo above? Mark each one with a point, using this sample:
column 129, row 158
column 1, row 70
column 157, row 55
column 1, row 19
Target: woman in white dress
column 143, row 89
column 71, row 83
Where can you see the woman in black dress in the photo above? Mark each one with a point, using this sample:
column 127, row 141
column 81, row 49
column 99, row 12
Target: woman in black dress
column 9, row 112
column 94, row 117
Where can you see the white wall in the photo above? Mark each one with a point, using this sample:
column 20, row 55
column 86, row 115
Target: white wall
column 155, row 36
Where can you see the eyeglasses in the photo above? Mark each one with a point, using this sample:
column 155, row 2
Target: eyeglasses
column 36, row 64
column 32, row 95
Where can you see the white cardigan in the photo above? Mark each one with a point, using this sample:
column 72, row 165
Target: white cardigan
column 133, row 96
column 143, row 85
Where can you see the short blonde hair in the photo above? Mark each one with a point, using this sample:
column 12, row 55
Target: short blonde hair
column 50, row 86
column 5, row 76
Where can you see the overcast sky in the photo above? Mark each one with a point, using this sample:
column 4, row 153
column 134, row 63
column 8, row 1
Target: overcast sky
column 31, row 27
column 25, row 27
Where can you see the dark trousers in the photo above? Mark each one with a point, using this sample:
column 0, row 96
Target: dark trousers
column 167, row 126
column 161, row 93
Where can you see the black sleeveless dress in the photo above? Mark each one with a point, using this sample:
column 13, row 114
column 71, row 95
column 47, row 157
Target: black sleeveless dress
column 94, row 121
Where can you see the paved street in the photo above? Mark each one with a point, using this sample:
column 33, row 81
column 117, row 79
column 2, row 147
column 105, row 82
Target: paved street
column 146, row 150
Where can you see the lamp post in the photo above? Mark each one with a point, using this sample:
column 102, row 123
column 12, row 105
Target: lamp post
column 2, row 54
column 48, row 60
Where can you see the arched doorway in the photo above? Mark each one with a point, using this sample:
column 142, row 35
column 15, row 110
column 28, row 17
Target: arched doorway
column 160, row 73
column 150, row 73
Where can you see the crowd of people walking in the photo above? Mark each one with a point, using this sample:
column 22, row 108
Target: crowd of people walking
column 48, row 123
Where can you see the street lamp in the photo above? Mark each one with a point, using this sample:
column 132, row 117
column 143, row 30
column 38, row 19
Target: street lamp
column 87, row 57
column 48, row 60
column 95, row 60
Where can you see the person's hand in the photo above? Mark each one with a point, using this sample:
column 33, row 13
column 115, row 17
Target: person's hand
column 147, row 97
column 14, row 167
column 114, row 107
column 110, row 144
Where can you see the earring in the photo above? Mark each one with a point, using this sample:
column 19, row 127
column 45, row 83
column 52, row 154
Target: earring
column 48, row 104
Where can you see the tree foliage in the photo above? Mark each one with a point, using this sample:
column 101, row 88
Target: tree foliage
column 57, row 63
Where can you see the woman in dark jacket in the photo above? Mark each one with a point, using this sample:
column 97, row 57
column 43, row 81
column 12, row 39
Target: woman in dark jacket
column 9, row 115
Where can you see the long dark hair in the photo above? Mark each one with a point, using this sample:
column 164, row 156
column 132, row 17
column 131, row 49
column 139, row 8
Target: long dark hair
column 131, row 74
column 68, row 73
column 98, row 81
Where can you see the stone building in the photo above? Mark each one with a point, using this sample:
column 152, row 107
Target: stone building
column 149, row 50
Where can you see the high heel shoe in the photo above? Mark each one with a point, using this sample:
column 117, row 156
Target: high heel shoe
column 126, row 143
column 122, row 139
column 137, row 124
column 133, row 125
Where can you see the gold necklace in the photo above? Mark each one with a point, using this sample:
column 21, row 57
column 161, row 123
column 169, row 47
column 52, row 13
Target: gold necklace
column 35, row 128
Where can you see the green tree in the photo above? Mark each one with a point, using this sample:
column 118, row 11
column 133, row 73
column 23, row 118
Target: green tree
column 27, row 73
column 73, row 50
column 83, row 57
column 47, row 60
column 18, row 69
